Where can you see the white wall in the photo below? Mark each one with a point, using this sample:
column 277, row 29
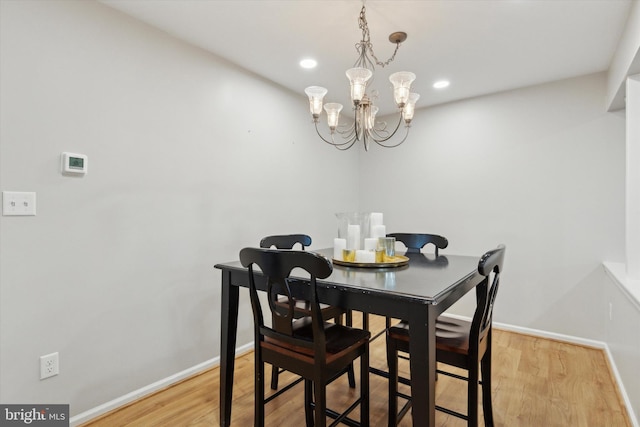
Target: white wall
column 116, row 270
column 188, row 163
column 540, row 169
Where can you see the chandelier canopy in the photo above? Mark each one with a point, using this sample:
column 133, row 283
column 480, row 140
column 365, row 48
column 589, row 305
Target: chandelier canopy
column 365, row 127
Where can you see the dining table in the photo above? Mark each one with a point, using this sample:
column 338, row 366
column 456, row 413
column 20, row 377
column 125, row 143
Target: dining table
column 418, row 291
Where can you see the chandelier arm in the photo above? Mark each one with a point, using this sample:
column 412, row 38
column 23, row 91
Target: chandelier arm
column 380, row 129
column 340, row 147
column 350, row 134
column 394, row 145
column 384, row 139
column 346, row 132
column 356, row 128
column 332, row 142
column 380, row 134
column 320, row 135
column 349, row 140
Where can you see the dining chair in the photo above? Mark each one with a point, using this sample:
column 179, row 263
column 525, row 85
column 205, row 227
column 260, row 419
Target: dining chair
column 459, row 343
column 317, row 350
column 302, row 307
column 414, row 242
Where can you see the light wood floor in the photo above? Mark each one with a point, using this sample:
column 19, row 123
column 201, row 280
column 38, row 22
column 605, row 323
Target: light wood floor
column 536, row 382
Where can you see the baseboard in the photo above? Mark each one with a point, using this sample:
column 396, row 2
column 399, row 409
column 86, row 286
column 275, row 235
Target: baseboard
column 552, row 335
column 149, row 389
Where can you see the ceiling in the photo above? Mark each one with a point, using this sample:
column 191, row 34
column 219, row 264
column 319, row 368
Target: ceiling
column 481, row 46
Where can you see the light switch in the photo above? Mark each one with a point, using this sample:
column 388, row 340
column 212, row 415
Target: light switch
column 18, row 203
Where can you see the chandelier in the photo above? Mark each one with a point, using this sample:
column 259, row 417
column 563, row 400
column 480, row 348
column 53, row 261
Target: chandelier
column 365, row 127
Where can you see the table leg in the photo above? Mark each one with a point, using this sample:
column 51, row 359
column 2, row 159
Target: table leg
column 229, row 326
column 422, row 344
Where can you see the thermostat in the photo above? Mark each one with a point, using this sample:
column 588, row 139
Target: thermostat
column 74, row 164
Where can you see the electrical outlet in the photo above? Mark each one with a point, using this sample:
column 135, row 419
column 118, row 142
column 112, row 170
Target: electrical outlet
column 49, row 365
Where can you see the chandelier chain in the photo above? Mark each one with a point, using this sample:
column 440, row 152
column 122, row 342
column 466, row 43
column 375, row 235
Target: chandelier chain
column 366, row 40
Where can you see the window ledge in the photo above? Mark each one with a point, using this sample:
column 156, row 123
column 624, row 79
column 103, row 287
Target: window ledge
column 618, row 273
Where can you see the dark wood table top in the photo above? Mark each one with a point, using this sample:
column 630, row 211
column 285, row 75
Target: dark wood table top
column 426, row 279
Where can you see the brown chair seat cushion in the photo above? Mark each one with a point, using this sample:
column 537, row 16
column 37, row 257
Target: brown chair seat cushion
column 338, row 337
column 451, row 334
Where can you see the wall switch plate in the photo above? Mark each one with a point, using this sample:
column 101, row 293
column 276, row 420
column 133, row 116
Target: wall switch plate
column 18, row 203
column 49, row 365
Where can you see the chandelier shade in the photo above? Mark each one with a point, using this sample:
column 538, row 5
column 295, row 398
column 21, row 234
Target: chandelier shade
column 358, row 78
column 365, row 127
column 333, row 113
column 410, row 106
column 401, row 86
column 316, row 94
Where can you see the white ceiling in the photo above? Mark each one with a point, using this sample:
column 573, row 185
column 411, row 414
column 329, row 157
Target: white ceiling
column 481, row 46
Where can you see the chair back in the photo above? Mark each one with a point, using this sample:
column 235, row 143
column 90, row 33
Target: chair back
column 490, row 266
column 416, row 241
column 286, row 241
column 276, row 265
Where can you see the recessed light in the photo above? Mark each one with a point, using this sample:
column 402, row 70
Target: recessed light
column 441, row 84
column 308, row 63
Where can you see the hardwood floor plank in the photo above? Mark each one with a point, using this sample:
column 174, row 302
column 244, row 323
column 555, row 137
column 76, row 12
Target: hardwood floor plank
column 536, row 382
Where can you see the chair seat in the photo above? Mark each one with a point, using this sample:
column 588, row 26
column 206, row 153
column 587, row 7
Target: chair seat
column 452, row 334
column 338, row 337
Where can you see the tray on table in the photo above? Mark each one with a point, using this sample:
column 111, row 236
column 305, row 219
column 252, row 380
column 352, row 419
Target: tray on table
column 394, row 261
